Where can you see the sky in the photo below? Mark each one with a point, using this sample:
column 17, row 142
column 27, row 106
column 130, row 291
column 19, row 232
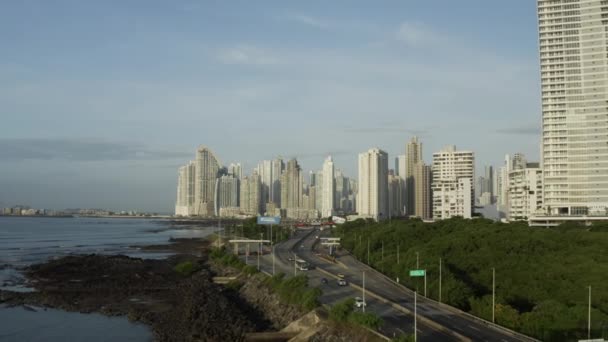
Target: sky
column 102, row 101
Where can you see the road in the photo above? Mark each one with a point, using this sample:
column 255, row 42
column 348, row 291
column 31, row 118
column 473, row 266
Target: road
column 452, row 319
column 396, row 322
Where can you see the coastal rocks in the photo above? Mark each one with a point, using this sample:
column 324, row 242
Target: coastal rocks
column 177, row 307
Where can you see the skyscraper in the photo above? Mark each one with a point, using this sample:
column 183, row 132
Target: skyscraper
column 452, row 184
column 251, row 195
column 422, row 186
column 185, row 190
column 413, row 155
column 327, row 209
column 275, row 181
column 395, row 195
column 227, row 193
column 574, row 69
column 207, row 167
column 235, row 170
column 291, row 186
column 372, row 197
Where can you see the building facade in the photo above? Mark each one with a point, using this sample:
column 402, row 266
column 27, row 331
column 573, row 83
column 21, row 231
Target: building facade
column 452, row 183
column 574, row 74
column 207, row 167
column 251, row 195
column 413, row 156
column 185, row 190
column 329, row 185
column 422, row 186
column 372, row 196
column 525, row 192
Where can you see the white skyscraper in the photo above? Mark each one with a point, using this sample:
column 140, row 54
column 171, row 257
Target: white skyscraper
column 235, row 170
column 185, row 190
column 452, row 183
column 327, row 209
column 372, row 196
column 227, row 193
column 525, row 192
column 574, row 74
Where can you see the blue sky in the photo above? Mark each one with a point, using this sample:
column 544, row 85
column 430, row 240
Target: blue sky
column 101, row 101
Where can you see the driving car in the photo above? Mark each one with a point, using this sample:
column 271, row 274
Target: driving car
column 323, row 280
column 359, row 302
column 342, row 282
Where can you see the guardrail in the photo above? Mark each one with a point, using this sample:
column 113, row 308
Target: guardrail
column 451, row 308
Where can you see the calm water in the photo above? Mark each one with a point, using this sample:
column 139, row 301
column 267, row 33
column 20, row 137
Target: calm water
column 24, row 241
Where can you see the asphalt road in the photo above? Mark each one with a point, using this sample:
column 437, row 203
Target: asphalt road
column 454, row 320
column 395, row 322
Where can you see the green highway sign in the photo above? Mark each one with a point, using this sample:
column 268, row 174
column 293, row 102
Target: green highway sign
column 417, row 273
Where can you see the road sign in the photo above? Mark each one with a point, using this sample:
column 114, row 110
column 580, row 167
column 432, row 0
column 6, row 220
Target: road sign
column 269, row 220
column 417, row 273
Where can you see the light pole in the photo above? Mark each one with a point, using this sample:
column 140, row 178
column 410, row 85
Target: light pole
column 439, row 280
column 260, row 249
column 589, row 317
column 364, row 292
column 493, row 294
column 295, row 269
column 415, row 316
column 368, row 251
column 272, row 246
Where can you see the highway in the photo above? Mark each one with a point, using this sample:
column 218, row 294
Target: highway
column 436, row 322
column 396, row 322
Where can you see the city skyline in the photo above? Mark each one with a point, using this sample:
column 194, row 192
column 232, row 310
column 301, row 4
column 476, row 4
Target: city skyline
column 134, row 97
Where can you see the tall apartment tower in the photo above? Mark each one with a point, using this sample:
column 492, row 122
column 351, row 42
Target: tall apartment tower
column 275, row 181
column 574, row 69
column 413, row 155
column 372, row 196
column 327, row 208
column 185, row 190
column 227, row 193
column 291, row 186
column 207, row 167
column 452, row 184
column 251, row 195
column 422, row 186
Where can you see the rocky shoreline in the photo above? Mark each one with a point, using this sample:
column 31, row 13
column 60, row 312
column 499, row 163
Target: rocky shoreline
column 177, row 307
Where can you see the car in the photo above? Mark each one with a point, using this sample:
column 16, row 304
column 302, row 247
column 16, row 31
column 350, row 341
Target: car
column 291, row 259
column 340, row 275
column 342, row 282
column 323, row 280
column 302, row 246
column 360, row 302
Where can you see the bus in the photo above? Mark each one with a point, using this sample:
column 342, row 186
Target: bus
column 301, row 265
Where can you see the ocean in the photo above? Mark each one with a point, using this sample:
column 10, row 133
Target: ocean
column 25, row 241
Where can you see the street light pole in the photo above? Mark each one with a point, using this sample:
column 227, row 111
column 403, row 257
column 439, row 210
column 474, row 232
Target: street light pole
column 439, row 280
column 272, row 245
column 260, row 249
column 415, row 316
column 493, row 294
column 368, row 251
column 589, row 317
column 364, row 291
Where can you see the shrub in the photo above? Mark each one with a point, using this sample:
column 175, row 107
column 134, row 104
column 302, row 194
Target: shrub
column 185, row 268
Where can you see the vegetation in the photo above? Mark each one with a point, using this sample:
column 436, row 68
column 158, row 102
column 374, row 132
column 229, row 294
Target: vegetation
column 403, row 338
column 186, row 268
column 251, row 230
column 295, row 290
column 345, row 312
column 222, row 257
column 542, row 275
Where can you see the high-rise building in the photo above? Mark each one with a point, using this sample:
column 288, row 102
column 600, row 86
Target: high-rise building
column 278, row 166
column 327, row 209
column 251, row 195
column 207, row 167
column 372, row 197
column 413, row 155
column 341, row 189
column 227, row 193
column 319, row 190
column 525, row 191
column 395, row 195
column 452, row 183
column 264, row 170
column 422, row 186
column 235, row 170
column 291, row 186
column 574, row 69
column 185, row 190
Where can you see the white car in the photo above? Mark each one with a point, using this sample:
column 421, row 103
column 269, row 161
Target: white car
column 359, row 302
column 342, row 282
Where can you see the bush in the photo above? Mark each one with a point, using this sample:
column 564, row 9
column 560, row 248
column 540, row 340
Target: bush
column 249, row 270
column 340, row 311
column 185, row 268
column 366, row 319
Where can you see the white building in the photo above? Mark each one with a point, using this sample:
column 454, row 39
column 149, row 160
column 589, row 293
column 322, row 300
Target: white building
column 452, row 183
column 235, row 170
column 327, row 208
column 372, row 196
column 227, row 190
column 251, row 195
column 574, row 74
column 185, row 190
column 525, row 192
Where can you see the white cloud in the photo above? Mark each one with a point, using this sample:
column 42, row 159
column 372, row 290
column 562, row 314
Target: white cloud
column 413, row 33
column 245, row 55
column 310, row 21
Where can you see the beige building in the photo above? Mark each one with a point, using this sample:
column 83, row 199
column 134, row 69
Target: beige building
column 251, row 195
column 372, row 196
column 574, row 82
column 207, row 167
column 422, row 186
column 291, row 186
column 413, row 156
